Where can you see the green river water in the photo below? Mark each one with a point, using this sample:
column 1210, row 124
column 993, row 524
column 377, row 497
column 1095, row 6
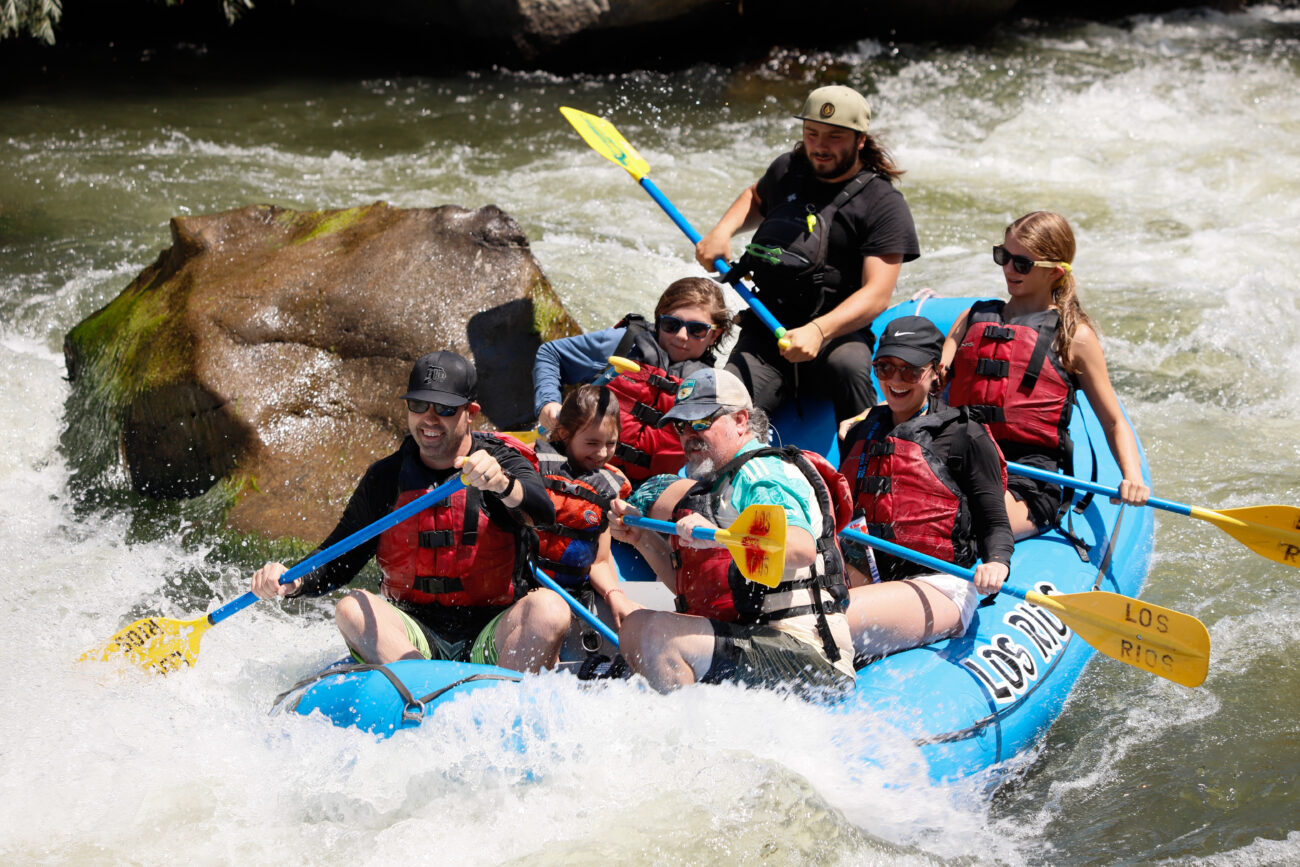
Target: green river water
column 1172, row 144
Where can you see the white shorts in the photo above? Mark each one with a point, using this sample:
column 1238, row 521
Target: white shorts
column 959, row 590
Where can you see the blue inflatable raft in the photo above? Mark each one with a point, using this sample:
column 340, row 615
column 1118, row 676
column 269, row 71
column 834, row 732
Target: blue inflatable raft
column 968, row 703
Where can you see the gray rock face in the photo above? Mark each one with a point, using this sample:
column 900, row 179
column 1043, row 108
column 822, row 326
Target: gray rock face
column 266, row 349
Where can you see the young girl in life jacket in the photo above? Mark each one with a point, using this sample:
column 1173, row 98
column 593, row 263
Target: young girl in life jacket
column 573, row 464
column 689, row 320
column 1017, row 363
column 928, row 478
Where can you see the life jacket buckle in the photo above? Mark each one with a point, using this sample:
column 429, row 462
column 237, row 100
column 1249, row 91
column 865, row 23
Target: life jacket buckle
column 994, row 368
column 646, row 414
column 437, row 539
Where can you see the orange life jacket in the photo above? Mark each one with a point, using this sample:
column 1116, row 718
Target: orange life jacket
column 568, row 547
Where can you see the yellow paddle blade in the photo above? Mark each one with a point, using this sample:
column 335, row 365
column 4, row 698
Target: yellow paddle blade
column 1165, row 642
column 756, row 541
column 158, row 644
column 606, row 141
column 1270, row 531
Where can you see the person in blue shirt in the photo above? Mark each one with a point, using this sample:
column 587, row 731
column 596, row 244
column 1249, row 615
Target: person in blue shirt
column 689, row 321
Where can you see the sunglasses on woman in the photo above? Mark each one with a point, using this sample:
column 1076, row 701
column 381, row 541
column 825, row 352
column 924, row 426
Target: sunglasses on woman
column 694, row 328
column 909, row 373
column 420, row 407
column 697, row 425
column 1023, row 264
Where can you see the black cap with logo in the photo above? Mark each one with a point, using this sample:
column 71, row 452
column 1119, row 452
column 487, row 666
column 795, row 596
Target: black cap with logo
column 442, row 377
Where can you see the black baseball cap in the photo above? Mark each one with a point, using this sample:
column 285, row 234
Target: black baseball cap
column 913, row 339
column 442, row 377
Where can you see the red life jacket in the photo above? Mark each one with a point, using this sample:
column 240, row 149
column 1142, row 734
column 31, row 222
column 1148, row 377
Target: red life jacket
column 452, row 553
column 1012, row 379
column 568, row 547
column 907, row 491
column 644, row 449
column 710, row 585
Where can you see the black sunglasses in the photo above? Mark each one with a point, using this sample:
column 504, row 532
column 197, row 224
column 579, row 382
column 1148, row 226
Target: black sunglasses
column 910, row 373
column 695, row 328
column 1022, row 264
column 420, row 407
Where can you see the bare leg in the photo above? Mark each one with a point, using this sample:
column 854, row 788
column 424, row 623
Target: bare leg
column 1018, row 515
column 667, row 649
column 892, row 615
column 373, row 628
column 529, row 636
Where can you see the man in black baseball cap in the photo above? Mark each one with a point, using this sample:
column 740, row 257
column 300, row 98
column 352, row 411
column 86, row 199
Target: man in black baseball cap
column 455, row 576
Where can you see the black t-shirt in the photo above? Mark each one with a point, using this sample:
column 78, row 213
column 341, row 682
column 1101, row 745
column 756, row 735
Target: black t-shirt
column 875, row 222
column 376, row 495
column 980, row 482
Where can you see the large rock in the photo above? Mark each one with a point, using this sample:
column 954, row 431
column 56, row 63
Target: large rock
column 266, row 349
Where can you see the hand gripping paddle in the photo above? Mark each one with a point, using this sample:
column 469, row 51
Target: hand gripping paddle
column 756, row 540
column 163, row 645
column 1160, row 640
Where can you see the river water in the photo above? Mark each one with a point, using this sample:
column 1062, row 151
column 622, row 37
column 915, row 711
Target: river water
column 1173, row 145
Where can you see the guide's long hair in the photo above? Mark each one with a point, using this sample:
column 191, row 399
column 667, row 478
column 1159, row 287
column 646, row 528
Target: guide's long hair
column 1047, row 236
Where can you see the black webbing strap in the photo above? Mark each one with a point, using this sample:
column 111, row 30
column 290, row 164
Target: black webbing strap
column 435, row 584
column 1042, row 346
column 437, row 538
column 415, row 707
column 993, row 368
column 473, row 505
column 634, row 456
column 646, row 414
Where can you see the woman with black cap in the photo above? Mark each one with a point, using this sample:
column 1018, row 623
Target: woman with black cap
column 926, row 477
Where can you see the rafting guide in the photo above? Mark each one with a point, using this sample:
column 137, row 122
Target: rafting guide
column 831, row 235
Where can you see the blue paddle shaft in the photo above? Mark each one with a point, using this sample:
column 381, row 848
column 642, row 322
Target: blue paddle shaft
column 759, row 308
column 668, row 527
column 320, row 558
column 1084, row 484
column 917, row 557
column 578, row 608
column 605, row 377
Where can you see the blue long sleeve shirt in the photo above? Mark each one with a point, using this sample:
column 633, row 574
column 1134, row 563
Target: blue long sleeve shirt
column 569, row 361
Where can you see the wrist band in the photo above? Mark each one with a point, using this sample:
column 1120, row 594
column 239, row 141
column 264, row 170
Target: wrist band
column 819, row 329
column 613, row 591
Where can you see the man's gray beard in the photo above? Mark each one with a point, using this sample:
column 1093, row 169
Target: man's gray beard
column 699, row 470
